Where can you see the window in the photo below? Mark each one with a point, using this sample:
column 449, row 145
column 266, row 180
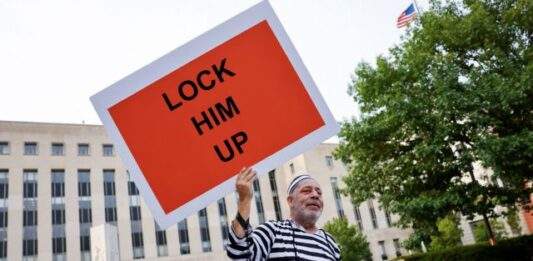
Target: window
column 3, row 249
column 138, row 244
column 59, row 245
column 259, row 202
column 161, row 241
column 291, row 166
column 275, row 196
column 84, row 183
column 83, row 149
column 4, row 189
column 162, row 250
column 329, row 161
column 84, row 189
column 30, row 190
column 58, row 189
column 30, row 148
column 388, row 218
column 30, row 174
column 137, row 239
column 135, row 213
column 383, row 250
column 183, row 236
column 30, row 184
column 109, row 188
column 111, row 214
column 161, row 237
column 58, row 149
column 3, row 218
column 358, row 218
column 337, row 195
column 4, row 148
column 222, row 212
column 86, row 215
column 58, row 183
column 397, row 247
column 85, row 243
column 29, row 247
column 373, row 214
column 58, row 216
column 204, row 230
column 29, row 218
column 109, row 192
column 4, row 184
column 132, row 189
column 107, row 150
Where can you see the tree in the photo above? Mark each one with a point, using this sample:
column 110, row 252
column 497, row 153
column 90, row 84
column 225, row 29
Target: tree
column 352, row 243
column 456, row 91
column 481, row 235
column 449, row 234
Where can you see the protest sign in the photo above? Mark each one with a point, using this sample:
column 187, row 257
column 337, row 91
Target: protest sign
column 238, row 95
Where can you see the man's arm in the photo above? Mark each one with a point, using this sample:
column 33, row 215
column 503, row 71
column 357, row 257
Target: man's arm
column 243, row 186
column 243, row 244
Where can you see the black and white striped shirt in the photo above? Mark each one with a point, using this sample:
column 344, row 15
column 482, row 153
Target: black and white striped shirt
column 283, row 240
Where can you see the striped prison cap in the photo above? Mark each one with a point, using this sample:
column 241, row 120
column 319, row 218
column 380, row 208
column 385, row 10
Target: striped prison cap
column 294, row 183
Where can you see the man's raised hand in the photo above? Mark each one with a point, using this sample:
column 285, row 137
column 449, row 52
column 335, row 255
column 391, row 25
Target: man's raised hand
column 243, row 185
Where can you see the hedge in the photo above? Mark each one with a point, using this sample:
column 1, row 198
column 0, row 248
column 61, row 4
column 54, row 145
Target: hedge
column 518, row 248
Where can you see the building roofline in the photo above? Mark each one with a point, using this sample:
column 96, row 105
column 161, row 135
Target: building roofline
column 95, row 125
column 50, row 123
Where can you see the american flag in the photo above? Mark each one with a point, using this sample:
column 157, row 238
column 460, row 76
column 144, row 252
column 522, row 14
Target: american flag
column 407, row 16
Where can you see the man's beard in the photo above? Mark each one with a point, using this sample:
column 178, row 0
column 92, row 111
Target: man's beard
column 311, row 216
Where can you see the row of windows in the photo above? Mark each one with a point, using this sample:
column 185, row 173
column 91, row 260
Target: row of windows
column 329, row 163
column 30, row 246
column 85, row 216
column 383, row 250
column 30, row 186
column 29, row 217
column 357, row 213
column 56, row 149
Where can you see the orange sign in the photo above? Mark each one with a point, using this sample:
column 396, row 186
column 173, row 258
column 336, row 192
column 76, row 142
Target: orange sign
column 192, row 129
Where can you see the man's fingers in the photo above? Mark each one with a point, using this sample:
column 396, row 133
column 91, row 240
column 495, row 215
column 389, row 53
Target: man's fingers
column 246, row 173
column 242, row 173
column 251, row 176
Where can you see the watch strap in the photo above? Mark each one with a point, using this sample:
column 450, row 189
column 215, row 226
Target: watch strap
column 245, row 224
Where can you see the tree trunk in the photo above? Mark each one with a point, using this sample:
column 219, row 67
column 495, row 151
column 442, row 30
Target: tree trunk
column 492, row 238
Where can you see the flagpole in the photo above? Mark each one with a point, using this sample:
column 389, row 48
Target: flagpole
column 416, row 6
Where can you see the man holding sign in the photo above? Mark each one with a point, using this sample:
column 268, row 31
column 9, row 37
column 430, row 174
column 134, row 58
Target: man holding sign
column 297, row 238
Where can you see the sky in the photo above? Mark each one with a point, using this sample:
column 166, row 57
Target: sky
column 55, row 54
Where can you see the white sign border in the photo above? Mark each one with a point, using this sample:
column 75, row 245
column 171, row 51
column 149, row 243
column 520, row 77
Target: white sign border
column 136, row 81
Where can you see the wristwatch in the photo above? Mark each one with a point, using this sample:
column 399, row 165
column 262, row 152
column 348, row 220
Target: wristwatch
column 245, row 224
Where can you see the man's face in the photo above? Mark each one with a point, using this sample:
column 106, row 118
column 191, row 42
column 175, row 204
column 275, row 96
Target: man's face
column 306, row 202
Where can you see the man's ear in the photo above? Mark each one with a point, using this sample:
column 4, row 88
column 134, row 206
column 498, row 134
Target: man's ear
column 289, row 200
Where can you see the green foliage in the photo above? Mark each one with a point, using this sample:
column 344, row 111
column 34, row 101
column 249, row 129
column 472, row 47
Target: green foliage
column 352, row 243
column 457, row 90
column 516, row 249
column 414, row 242
column 480, row 231
column 449, row 234
column 514, row 221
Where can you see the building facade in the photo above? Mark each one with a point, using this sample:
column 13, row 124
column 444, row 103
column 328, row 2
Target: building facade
column 61, row 182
